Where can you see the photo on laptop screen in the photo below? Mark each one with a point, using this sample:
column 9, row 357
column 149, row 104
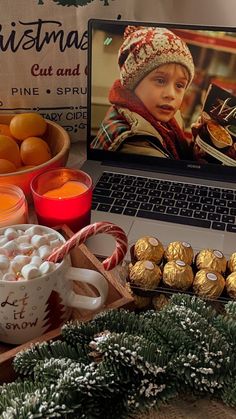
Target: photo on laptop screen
column 161, row 144
column 163, row 93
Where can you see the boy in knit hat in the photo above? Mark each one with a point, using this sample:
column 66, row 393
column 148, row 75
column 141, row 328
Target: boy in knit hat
column 156, row 67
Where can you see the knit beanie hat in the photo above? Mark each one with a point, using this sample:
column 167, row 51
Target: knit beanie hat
column 145, row 48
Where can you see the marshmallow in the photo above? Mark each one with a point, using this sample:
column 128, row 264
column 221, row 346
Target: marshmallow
column 36, row 260
column 24, row 238
column 38, row 240
column 2, row 251
column 31, row 231
column 10, row 248
column 23, row 254
column 44, row 251
column 4, row 262
column 30, row 271
column 3, row 240
column 51, row 236
column 18, row 262
column 46, row 267
column 10, row 233
column 14, row 267
column 22, row 259
column 55, row 243
column 9, row 277
column 25, row 248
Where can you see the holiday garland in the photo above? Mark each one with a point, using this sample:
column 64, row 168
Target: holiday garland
column 121, row 363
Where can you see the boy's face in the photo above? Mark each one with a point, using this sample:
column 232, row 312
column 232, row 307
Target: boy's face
column 162, row 90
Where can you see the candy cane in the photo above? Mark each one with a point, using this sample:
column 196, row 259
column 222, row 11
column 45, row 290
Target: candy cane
column 91, row 230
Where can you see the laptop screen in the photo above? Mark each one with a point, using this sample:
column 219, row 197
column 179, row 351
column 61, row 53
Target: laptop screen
column 163, row 97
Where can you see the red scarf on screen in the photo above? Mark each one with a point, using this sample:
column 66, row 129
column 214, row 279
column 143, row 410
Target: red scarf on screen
column 174, row 139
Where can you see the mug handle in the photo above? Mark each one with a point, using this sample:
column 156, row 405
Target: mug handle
column 91, row 277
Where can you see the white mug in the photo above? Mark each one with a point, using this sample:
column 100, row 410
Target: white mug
column 30, row 308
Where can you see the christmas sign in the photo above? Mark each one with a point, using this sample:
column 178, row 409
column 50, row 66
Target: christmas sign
column 43, row 49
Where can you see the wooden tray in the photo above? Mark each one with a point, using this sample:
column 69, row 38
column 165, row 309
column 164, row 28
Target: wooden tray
column 118, row 296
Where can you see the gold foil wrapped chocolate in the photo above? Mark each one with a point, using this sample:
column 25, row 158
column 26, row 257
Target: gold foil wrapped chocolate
column 211, row 259
column 145, row 274
column 179, row 251
column 232, row 263
column 149, row 248
column 208, row 283
column 230, row 284
column 140, row 302
column 177, row 274
column 160, row 301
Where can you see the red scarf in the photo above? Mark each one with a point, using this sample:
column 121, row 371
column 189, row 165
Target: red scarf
column 171, row 132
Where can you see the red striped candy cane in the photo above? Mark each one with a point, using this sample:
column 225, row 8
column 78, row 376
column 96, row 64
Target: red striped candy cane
column 91, row 230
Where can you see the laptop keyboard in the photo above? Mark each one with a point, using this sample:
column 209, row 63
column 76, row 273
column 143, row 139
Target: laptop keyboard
column 175, row 202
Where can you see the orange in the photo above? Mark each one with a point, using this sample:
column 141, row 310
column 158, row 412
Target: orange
column 9, row 150
column 24, row 125
column 34, row 151
column 5, row 130
column 6, row 166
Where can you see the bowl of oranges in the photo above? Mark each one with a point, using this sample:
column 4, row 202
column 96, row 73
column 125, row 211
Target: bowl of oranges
column 29, row 145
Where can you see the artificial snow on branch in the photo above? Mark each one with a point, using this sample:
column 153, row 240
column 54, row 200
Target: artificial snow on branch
column 122, row 363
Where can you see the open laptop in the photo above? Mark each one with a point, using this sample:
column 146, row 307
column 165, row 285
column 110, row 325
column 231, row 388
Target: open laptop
column 210, row 218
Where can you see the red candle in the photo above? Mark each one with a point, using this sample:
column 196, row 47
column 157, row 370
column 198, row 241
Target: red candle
column 63, row 196
column 67, row 190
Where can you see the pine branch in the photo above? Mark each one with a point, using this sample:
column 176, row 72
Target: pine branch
column 121, row 362
column 139, row 362
column 229, row 394
column 199, row 355
column 25, row 361
column 48, row 371
column 95, row 390
column 113, row 320
column 230, row 309
column 27, row 400
column 195, row 304
column 226, row 325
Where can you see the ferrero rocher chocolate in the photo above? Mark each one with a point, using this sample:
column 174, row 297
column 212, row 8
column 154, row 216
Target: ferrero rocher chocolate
column 230, row 284
column 160, row 301
column 145, row 274
column 179, row 251
column 177, row 274
column 140, row 302
column 211, row 259
column 149, row 248
column 232, row 263
column 208, row 283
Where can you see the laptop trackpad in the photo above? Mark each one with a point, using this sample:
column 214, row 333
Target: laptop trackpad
column 199, row 238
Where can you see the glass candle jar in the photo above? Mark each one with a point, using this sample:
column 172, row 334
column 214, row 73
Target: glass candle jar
column 13, row 206
column 63, row 196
